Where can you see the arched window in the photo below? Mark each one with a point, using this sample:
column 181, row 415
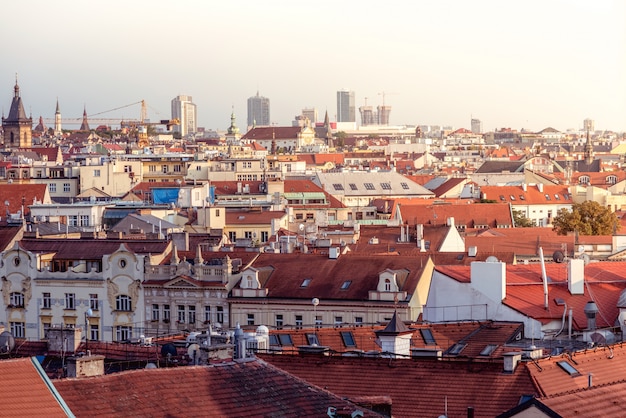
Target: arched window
column 249, row 282
column 123, row 303
column 387, row 285
column 583, row 180
column 612, row 179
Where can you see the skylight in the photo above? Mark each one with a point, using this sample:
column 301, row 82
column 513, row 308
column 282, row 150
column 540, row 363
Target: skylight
column 385, row 186
column 285, row 339
column 456, row 349
column 547, row 196
column 353, row 186
column 521, row 197
column 556, row 197
column 305, row 282
column 312, row 339
column 404, row 186
column 502, row 197
column 348, row 339
column 568, row 368
column 512, row 197
column 369, row 186
column 428, row 337
column 346, row 284
column 489, row 348
column 338, row 186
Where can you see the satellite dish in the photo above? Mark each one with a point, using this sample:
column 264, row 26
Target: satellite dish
column 7, row 342
column 558, row 257
column 168, row 348
column 193, row 352
column 315, row 301
column 492, row 259
column 598, row 338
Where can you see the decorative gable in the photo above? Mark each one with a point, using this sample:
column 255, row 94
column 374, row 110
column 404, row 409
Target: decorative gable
column 179, row 282
column 387, row 281
column 250, row 285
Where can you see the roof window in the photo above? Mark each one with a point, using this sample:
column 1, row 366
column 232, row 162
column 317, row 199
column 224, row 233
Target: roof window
column 404, row 186
column 306, row 282
column 348, row 339
column 346, row 284
column 385, row 186
column 338, row 186
column 522, row 197
column 488, row 350
column 547, row 196
column 568, row 368
column 428, row 337
column 456, row 349
column 557, row 197
column 369, row 186
column 312, row 339
column 353, row 186
column 512, row 197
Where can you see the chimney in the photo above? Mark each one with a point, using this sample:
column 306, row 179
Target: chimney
column 451, row 221
column 524, row 187
column 511, row 360
column 489, row 278
column 591, row 309
column 576, row 276
column 86, row 366
column 540, row 187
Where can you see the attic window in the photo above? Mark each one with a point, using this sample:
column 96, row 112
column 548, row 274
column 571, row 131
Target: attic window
column 512, row 197
column 456, row 349
column 348, row 339
column 353, row 186
column 369, row 186
column 502, row 198
column 428, row 337
column 338, row 186
column 488, row 350
column 404, row 186
column 285, row 339
column 547, row 196
column 346, row 285
column 385, row 186
column 305, row 283
column 312, row 339
column 568, row 368
column 556, row 197
column 521, row 197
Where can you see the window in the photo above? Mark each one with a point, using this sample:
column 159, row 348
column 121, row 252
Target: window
column 96, row 173
column 166, row 312
column 583, row 180
column 70, row 301
column 93, row 301
column 192, row 314
column 385, row 186
column 547, row 196
column 17, row 299
column 84, row 220
column 181, row 313
column 338, row 186
column 556, row 197
column 312, row 339
column 207, row 314
column 369, row 186
column 338, row 320
column 279, row 321
column 502, row 197
column 155, row 312
column 232, row 236
column 512, row 197
column 177, row 168
column 152, row 168
column 123, row 303
column 306, row 282
column 72, row 220
column 346, row 284
column 52, row 188
column 66, row 187
column 220, row 314
column 489, row 348
column 352, row 186
column 46, row 328
column 298, row 321
column 250, row 319
column 568, row 368
column 427, row 336
column 348, row 339
column 164, row 169
column 456, row 349
column 318, row 321
column 387, row 285
column 123, row 332
column 247, row 234
column 46, row 301
column 17, row 329
column 285, row 339
column 522, row 197
column 358, row 321
column 264, row 236
column 94, row 332
column 404, row 186
column 611, row 179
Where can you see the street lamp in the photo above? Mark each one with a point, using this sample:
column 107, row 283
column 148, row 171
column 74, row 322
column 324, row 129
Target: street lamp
column 315, row 302
column 88, row 313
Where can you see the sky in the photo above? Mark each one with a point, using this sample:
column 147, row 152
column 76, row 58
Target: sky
column 516, row 64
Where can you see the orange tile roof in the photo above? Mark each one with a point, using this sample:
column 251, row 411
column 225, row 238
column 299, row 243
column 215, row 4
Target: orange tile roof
column 599, row 401
column 520, row 241
column 251, row 388
column 25, row 391
column 558, row 195
column 273, row 132
column 469, row 214
column 417, row 388
column 252, row 218
column 14, row 193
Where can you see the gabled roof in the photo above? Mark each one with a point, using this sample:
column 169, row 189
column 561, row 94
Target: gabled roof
column 236, row 389
column 467, row 214
column 516, row 195
column 23, row 194
column 273, row 132
column 501, row 166
column 308, row 186
column 27, row 392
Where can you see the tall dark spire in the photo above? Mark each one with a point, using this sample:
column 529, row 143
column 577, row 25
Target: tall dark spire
column 85, row 125
column 588, row 149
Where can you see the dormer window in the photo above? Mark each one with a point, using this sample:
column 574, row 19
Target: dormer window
column 583, row 180
column 611, row 179
column 387, row 285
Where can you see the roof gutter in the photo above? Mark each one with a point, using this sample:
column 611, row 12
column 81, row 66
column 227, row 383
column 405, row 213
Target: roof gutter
column 50, row 385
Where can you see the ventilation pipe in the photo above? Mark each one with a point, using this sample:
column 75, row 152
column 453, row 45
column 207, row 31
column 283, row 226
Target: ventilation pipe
column 591, row 309
column 545, row 279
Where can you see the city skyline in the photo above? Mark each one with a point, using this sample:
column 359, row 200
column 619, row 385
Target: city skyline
column 530, row 66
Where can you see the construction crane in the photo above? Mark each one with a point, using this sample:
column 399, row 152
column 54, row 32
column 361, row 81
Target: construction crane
column 384, row 93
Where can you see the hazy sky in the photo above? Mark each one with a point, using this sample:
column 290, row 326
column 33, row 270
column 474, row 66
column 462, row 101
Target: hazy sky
column 519, row 64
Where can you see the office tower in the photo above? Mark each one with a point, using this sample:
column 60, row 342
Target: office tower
column 345, row 106
column 258, row 110
column 589, row 125
column 311, row 114
column 184, row 110
column 477, row 126
column 383, row 114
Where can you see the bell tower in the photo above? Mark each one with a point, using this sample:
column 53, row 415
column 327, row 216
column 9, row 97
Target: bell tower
column 18, row 129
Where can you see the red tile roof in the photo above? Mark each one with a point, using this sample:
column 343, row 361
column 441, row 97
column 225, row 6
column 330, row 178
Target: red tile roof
column 470, row 215
column 556, row 195
column 252, row 218
column 14, row 193
column 89, row 249
column 273, row 132
column 416, row 388
column 237, row 389
column 25, row 391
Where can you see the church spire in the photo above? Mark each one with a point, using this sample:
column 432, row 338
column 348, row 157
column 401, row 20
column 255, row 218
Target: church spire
column 85, row 125
column 588, row 149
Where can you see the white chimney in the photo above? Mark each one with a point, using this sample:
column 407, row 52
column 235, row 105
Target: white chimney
column 451, row 221
column 524, row 187
column 510, row 361
column 489, row 278
column 576, row 276
column 540, row 187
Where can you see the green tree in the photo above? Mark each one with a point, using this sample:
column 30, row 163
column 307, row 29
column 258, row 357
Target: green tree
column 341, row 138
column 520, row 220
column 587, row 218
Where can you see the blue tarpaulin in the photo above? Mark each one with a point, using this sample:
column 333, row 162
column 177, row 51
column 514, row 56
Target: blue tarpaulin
column 165, row 196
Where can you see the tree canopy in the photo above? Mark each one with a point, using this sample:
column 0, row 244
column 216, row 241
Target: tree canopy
column 587, row 218
column 520, row 220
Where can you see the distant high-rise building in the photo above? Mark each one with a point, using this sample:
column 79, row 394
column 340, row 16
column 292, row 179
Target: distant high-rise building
column 185, row 111
column 345, row 106
column 367, row 114
column 258, row 111
column 589, row 125
column 383, row 114
column 311, row 114
column 477, row 126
